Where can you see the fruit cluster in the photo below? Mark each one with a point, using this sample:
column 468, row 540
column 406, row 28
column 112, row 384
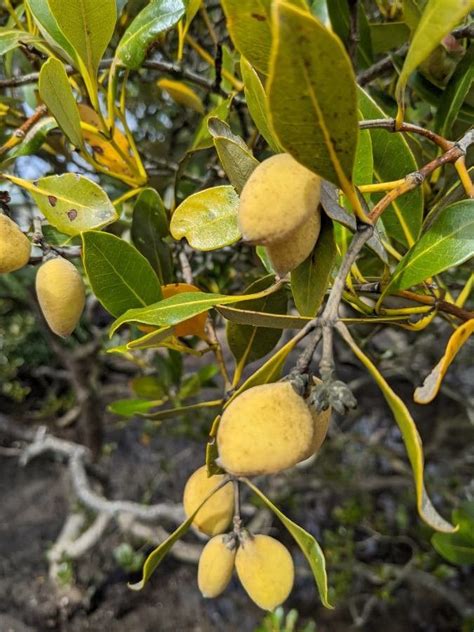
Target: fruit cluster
column 59, row 286
column 264, row 430
column 279, row 209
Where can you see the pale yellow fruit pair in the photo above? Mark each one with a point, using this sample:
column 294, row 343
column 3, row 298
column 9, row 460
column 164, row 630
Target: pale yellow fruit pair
column 268, row 428
column 279, row 209
column 15, row 248
column 264, row 568
column 61, row 295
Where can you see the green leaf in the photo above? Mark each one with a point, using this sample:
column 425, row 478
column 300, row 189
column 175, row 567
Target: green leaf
column 236, row 158
column 310, row 280
column 33, row 141
column 156, row 18
column 410, row 436
column 49, row 28
column 156, row 556
column 363, row 171
column 314, row 117
column 88, row 25
column 458, row 548
column 448, row 242
column 307, row 543
column 208, row 219
column 132, row 406
column 70, row 202
column 454, row 94
column 179, row 307
column 393, row 159
column 203, row 138
column 257, row 103
column 388, row 35
column 438, row 20
column 119, row 275
column 55, row 90
column 149, row 228
column 11, row 39
column 249, row 26
column 249, row 343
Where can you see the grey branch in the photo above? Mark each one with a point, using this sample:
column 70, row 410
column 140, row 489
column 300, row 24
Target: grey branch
column 77, row 456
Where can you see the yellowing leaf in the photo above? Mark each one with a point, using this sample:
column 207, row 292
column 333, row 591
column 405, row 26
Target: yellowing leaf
column 208, row 219
column 313, row 117
column 116, row 158
column 438, row 19
column 427, row 392
column 410, row 436
column 182, row 94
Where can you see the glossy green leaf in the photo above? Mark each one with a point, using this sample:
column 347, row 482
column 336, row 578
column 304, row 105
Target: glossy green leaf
column 455, row 93
column 257, row 103
column 409, row 434
column 149, row 228
column 247, row 342
column 307, row 543
column 120, row 277
column 438, row 20
column 311, row 278
column 208, row 219
column 363, row 171
column 70, row 202
column 236, row 158
column 156, row 18
column 458, row 548
column 179, row 307
column 449, row 241
column 88, row 25
column 393, row 159
column 314, row 118
column 253, row 318
column 56, row 92
column 156, row 557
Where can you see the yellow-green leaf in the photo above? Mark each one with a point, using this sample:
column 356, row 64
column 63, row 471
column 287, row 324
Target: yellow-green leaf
column 179, row 307
column 257, row 103
column 312, row 95
column 182, row 94
column 427, row 392
column 208, row 219
column 55, row 90
column 307, row 543
column 410, row 436
column 70, row 202
column 156, row 556
column 438, row 19
column 88, row 25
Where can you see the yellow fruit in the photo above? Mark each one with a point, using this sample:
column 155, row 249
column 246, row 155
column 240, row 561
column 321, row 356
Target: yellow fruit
column 277, row 198
column 264, row 430
column 15, row 248
column 216, row 515
column 265, row 569
column 61, row 295
column 216, row 565
column 287, row 255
